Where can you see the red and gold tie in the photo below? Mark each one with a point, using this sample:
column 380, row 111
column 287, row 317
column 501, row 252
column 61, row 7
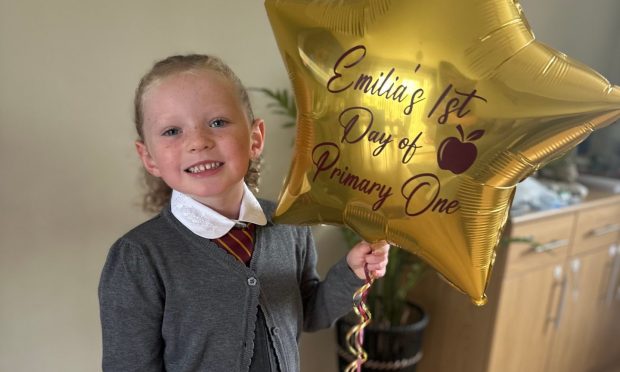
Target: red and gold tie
column 239, row 242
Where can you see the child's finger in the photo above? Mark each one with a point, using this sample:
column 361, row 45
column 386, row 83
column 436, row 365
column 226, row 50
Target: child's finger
column 364, row 248
column 377, row 265
column 374, row 259
column 383, row 253
column 380, row 247
column 378, row 272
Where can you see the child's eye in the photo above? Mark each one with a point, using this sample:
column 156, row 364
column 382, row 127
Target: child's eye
column 217, row 123
column 171, row 132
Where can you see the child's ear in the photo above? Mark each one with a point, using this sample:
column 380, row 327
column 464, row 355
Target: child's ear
column 147, row 159
column 257, row 138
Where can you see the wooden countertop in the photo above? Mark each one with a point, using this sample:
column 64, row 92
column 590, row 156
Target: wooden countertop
column 594, row 199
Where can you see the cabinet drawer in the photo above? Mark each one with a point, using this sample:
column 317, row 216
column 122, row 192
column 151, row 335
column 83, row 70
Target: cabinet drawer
column 548, row 242
column 596, row 227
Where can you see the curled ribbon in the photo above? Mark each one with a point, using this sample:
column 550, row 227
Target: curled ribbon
column 355, row 336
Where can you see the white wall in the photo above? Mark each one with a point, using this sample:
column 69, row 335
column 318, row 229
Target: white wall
column 69, row 181
column 587, row 31
column 590, row 33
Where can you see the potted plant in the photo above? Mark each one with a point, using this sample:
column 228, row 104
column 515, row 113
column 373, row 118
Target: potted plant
column 393, row 339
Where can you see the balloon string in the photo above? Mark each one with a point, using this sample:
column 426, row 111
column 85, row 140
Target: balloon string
column 355, row 336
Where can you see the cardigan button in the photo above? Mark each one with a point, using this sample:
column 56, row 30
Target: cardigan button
column 275, row 331
column 252, row 281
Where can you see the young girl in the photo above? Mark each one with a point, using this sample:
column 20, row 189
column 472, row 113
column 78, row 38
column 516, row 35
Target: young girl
column 178, row 293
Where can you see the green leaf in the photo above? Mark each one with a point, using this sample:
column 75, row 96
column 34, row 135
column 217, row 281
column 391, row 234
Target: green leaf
column 282, row 103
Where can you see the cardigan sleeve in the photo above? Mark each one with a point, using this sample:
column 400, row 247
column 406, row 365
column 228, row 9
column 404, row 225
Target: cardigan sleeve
column 325, row 301
column 131, row 302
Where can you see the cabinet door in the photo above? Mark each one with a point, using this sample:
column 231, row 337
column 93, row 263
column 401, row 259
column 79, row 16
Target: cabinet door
column 529, row 308
column 549, row 243
column 605, row 351
column 597, row 227
column 575, row 336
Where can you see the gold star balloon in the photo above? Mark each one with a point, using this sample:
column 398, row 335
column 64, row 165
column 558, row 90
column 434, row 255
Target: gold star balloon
column 418, row 118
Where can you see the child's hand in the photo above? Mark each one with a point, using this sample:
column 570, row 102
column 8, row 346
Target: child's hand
column 375, row 255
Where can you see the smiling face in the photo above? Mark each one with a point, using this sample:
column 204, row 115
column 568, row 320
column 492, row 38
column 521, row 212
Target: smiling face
column 198, row 137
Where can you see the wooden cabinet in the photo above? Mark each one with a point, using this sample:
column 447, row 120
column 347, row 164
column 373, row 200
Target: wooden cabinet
column 605, row 350
column 610, row 327
column 533, row 299
column 554, row 302
column 575, row 337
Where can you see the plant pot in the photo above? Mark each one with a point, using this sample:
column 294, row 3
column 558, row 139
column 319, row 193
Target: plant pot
column 393, row 348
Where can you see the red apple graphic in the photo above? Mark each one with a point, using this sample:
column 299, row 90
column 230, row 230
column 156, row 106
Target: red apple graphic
column 457, row 155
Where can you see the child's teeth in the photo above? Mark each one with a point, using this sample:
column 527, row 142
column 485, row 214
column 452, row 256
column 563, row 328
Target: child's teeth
column 204, row 167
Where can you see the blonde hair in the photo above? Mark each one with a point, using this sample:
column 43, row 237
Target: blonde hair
column 157, row 191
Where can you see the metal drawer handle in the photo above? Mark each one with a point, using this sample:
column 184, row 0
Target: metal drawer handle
column 561, row 280
column 552, row 245
column 606, row 229
column 615, row 272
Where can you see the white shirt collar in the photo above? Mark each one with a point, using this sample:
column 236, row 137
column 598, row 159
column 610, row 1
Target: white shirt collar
column 205, row 222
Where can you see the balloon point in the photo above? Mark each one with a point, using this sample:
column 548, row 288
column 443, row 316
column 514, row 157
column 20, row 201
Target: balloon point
column 480, row 301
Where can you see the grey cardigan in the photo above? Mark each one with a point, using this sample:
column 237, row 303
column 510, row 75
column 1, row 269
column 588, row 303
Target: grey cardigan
column 171, row 300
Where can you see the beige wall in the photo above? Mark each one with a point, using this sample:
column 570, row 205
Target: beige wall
column 589, row 32
column 68, row 186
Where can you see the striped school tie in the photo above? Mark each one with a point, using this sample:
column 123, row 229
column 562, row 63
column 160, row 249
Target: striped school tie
column 239, row 242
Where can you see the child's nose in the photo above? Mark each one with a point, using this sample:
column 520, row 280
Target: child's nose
column 200, row 140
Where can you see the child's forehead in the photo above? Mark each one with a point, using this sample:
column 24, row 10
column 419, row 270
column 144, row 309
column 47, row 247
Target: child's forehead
column 192, row 85
column 204, row 77
column 202, row 90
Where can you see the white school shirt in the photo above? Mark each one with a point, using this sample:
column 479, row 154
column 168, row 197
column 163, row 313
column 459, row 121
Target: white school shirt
column 207, row 223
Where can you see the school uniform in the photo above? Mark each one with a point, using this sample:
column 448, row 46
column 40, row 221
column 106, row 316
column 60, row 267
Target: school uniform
column 172, row 300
